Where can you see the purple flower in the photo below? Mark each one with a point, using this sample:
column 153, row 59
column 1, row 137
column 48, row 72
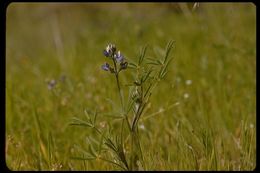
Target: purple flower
column 112, row 47
column 119, row 57
column 106, row 53
column 110, row 50
column 123, row 65
column 105, row 67
column 51, row 84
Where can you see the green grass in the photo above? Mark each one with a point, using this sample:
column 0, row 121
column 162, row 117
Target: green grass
column 212, row 128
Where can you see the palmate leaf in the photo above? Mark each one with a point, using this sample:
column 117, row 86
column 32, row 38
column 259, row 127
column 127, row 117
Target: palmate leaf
column 168, row 50
column 118, row 150
column 95, row 117
column 130, row 101
column 87, row 114
column 153, row 61
column 109, row 143
column 150, row 59
column 132, row 65
column 92, row 150
column 141, row 56
column 148, row 89
column 145, row 77
column 79, row 122
column 101, row 143
column 164, row 70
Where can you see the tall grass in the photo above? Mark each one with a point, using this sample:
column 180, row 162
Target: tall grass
column 201, row 117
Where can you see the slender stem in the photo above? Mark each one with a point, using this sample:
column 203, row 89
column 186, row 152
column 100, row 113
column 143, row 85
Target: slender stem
column 119, row 90
column 136, row 150
column 128, row 124
column 122, row 106
column 120, row 93
column 132, row 152
column 122, row 129
column 138, row 115
column 135, row 117
column 139, row 145
column 118, row 84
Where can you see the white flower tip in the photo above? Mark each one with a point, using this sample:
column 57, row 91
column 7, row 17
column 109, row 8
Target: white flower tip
column 186, row 95
column 188, row 82
column 177, row 103
column 142, row 126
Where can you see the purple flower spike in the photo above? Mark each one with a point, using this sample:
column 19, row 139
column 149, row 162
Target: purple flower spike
column 106, row 53
column 110, row 50
column 119, row 57
column 105, row 67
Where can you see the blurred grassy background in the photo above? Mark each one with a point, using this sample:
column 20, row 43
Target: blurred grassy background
column 212, row 81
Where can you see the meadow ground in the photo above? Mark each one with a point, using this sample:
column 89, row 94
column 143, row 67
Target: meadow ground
column 206, row 104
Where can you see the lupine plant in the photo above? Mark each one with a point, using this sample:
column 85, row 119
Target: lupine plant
column 124, row 148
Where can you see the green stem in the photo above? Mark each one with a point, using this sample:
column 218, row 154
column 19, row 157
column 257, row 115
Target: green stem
column 118, row 84
column 122, row 106
column 139, row 146
column 119, row 90
column 136, row 151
